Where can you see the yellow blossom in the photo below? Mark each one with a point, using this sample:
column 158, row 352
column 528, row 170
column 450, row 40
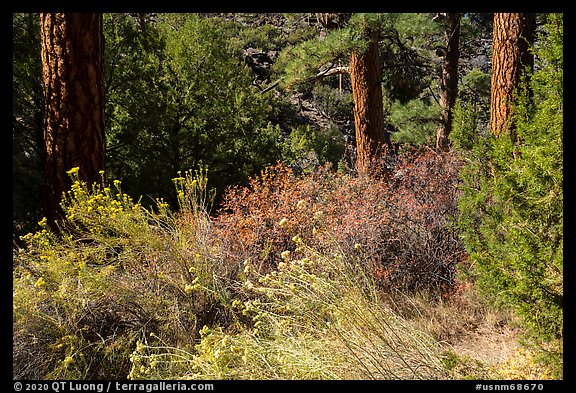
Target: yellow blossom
column 40, row 282
column 205, row 329
column 139, row 347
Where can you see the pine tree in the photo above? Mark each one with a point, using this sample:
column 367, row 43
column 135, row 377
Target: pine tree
column 72, row 69
column 511, row 211
column 389, row 62
column 365, row 75
column 449, row 79
column 511, row 57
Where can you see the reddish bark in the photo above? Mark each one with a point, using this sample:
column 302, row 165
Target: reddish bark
column 365, row 75
column 513, row 36
column 72, row 71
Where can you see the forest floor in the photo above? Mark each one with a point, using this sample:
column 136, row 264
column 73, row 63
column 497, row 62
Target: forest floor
column 488, row 344
column 484, row 342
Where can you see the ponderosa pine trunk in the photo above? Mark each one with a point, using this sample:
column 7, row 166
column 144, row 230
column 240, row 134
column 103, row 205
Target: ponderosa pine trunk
column 449, row 81
column 513, row 36
column 365, row 76
column 72, row 72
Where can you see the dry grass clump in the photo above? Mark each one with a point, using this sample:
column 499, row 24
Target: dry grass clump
column 318, row 317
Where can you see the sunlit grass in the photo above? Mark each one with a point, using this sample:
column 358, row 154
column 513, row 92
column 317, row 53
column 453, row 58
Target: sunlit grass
column 319, row 317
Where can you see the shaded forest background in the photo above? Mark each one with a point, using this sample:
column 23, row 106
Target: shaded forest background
column 186, row 92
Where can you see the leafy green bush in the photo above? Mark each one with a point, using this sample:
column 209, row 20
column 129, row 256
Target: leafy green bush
column 180, row 98
column 334, row 103
column 465, row 126
column 416, row 121
column 511, row 213
column 306, row 148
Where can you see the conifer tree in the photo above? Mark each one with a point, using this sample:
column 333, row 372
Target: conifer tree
column 72, row 69
column 366, row 75
column 511, row 211
column 358, row 43
column 511, row 57
column 449, row 79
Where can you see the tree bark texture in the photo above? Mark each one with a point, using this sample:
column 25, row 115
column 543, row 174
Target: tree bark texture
column 513, row 36
column 449, row 80
column 72, row 72
column 365, row 76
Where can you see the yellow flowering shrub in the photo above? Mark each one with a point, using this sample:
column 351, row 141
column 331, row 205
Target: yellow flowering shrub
column 524, row 365
column 113, row 272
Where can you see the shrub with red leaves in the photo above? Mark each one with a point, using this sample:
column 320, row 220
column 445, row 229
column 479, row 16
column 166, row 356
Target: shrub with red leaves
column 423, row 237
column 398, row 225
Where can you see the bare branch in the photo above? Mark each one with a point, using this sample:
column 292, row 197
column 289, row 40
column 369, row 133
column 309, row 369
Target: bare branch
column 273, row 85
column 333, row 71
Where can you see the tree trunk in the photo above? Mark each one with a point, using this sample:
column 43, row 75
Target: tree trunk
column 449, row 81
column 365, row 75
column 72, row 72
column 513, row 36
